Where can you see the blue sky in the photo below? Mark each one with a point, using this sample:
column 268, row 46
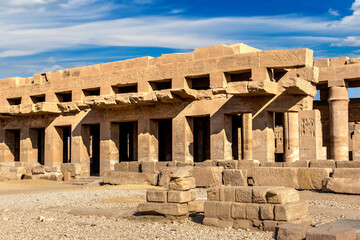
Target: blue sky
column 48, row 35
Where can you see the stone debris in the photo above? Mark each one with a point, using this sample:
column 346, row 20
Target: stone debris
column 260, row 208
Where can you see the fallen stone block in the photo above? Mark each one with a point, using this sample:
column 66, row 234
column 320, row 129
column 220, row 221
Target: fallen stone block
column 121, row 178
column 235, row 177
column 342, row 185
column 322, row 164
column 348, row 164
column 164, row 176
column 73, row 168
column 291, row 211
column 231, row 164
column 175, row 209
column 215, row 222
column 181, row 196
column 311, row 178
column 182, row 172
column 208, row 176
column 259, row 193
column 288, row 231
column 182, row 184
column 331, row 233
column 282, row 195
column 154, row 195
column 38, row 170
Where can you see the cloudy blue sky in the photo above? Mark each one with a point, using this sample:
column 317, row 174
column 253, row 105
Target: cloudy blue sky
column 48, row 35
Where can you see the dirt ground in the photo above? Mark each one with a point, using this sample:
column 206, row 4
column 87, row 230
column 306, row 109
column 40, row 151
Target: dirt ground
column 39, row 209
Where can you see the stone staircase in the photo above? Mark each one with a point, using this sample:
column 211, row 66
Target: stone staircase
column 86, row 181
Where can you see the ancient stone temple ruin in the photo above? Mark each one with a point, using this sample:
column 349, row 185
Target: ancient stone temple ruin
column 225, row 102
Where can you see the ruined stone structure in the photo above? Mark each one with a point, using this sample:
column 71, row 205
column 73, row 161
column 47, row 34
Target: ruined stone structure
column 226, row 102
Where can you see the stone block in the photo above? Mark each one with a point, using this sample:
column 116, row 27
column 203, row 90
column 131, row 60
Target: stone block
column 182, row 172
column 291, row 211
column 174, row 209
column 122, row 178
column 134, row 166
column 181, row 196
column 210, row 209
column 282, row 195
column 227, row 194
column 121, row 166
column 196, row 206
column 271, row 164
column 342, row 185
column 252, row 211
column 259, row 193
column 230, row 164
column 208, row 176
column 269, row 225
column 213, row 194
column 57, row 177
column 238, row 211
column 322, row 164
column 215, row 222
column 182, row 184
column 243, row 224
column 223, row 210
column 243, row 194
column 348, row 164
column 206, row 163
column 164, row 176
column 297, row 164
column 346, row 173
column 273, row 176
column 67, row 177
column 267, row 212
column 73, row 168
column 154, row 195
column 248, row 164
column 289, row 231
column 184, row 164
column 311, row 178
column 235, row 177
column 331, row 233
column 38, row 170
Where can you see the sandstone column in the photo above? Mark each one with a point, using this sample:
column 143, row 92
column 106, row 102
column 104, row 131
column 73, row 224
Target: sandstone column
column 147, row 140
column 220, row 125
column 109, row 153
column 291, row 138
column 182, row 139
column 339, row 118
column 27, row 153
column 247, row 134
column 263, row 137
column 53, row 147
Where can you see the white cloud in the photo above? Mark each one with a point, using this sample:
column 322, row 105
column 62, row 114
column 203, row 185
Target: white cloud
column 176, row 11
column 334, row 12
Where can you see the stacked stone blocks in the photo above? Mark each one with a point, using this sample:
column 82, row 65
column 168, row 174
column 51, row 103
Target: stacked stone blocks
column 259, row 208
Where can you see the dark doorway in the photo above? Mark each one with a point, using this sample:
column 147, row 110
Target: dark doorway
column 40, row 145
column 95, row 150
column 201, row 132
column 237, row 136
column 12, row 138
column 66, row 138
column 165, row 139
column 128, row 141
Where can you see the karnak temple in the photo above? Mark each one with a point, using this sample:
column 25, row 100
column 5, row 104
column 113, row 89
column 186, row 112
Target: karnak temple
column 237, row 116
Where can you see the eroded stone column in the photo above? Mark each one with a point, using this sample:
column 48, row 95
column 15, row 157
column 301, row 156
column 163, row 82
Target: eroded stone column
column 247, row 136
column 220, row 148
column 27, row 153
column 109, row 153
column 147, row 140
column 182, row 139
column 339, row 118
column 291, row 138
column 53, row 147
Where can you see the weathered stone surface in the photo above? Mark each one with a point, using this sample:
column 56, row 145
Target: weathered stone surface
column 346, row 173
column 342, row 185
column 38, row 170
column 289, row 231
column 164, row 176
column 182, row 172
column 174, row 209
column 238, row 210
column 331, row 233
column 231, row 164
column 248, row 164
column 243, row 194
column 267, row 212
column 297, row 164
column 181, row 196
column 290, row 211
column 74, row 169
column 182, row 184
column 154, row 195
column 322, row 164
column 282, row 195
column 252, row 211
column 121, row 178
column 208, row 176
column 259, row 193
column 215, row 222
column 196, row 206
column 243, row 224
column 348, row 164
column 235, row 177
column 213, row 194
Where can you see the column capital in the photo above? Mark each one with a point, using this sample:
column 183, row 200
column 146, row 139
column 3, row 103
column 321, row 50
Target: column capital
column 338, row 94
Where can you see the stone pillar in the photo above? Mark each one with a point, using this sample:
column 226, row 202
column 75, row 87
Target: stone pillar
column 356, row 143
column 80, row 157
column 220, row 143
column 264, row 137
column 53, row 147
column 4, row 149
column 339, row 118
column 291, row 137
column 109, row 153
column 147, row 140
column 182, row 139
column 247, row 136
column 27, row 153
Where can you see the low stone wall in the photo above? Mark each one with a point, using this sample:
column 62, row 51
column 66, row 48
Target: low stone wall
column 258, row 208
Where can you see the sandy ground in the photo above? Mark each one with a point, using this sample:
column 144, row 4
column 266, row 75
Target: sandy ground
column 39, row 209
